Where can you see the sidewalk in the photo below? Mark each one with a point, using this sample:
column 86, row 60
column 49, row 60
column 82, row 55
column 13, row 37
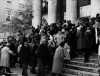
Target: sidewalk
column 18, row 70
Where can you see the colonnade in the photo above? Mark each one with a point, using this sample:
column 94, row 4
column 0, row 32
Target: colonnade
column 71, row 11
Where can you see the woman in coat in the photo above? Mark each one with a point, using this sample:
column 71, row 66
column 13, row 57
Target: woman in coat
column 58, row 60
column 79, row 39
column 5, row 52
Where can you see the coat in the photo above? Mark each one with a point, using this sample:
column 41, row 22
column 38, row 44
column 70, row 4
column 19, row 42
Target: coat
column 99, row 49
column 72, row 40
column 24, row 54
column 58, row 39
column 42, row 52
column 79, row 40
column 58, row 60
column 5, row 52
column 88, row 39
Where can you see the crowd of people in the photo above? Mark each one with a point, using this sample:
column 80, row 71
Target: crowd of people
column 48, row 45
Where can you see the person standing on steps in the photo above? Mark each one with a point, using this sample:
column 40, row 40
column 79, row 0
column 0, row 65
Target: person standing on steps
column 88, row 40
column 58, row 60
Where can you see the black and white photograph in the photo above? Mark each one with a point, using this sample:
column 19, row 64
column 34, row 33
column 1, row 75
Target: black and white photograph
column 49, row 37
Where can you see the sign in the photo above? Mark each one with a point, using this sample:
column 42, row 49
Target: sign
column 85, row 11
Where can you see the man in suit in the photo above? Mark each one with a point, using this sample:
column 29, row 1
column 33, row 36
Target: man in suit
column 42, row 55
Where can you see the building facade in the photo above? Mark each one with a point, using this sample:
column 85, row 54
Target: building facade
column 59, row 10
column 8, row 9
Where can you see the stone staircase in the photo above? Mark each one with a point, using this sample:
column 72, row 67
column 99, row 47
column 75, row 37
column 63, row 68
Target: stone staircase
column 77, row 67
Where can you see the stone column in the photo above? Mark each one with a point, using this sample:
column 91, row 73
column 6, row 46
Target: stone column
column 71, row 10
column 37, row 13
column 52, row 6
column 95, row 7
column 59, row 10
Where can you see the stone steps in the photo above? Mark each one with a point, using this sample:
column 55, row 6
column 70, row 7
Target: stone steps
column 90, row 61
column 93, row 65
column 81, row 68
column 68, row 74
column 78, row 73
column 91, row 58
column 78, row 67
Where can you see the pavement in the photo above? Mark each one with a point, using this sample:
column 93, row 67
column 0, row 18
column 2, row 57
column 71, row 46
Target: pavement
column 18, row 70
